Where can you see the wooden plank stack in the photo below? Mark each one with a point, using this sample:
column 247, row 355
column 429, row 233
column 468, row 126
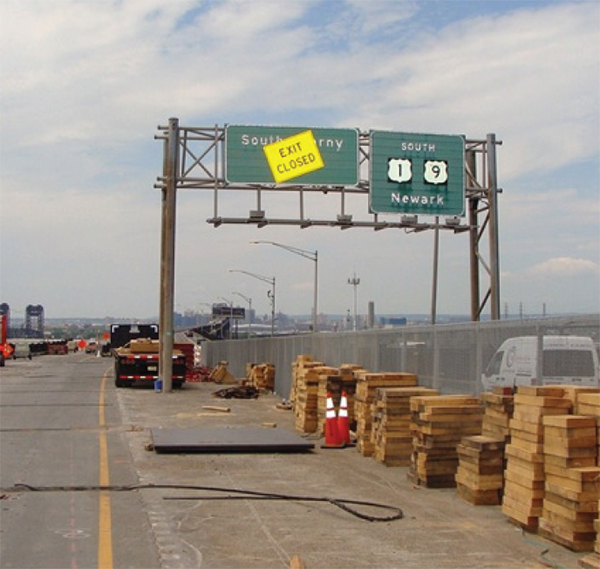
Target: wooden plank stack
column 589, row 404
column 439, row 424
column 597, row 542
column 592, row 561
column 314, row 411
column 304, row 393
column 299, row 367
column 366, row 385
column 524, row 475
column 499, row 407
column 480, row 474
column 479, row 478
column 391, row 419
column 570, row 503
column 262, row 376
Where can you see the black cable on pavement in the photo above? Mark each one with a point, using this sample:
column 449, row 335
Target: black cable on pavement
column 342, row 503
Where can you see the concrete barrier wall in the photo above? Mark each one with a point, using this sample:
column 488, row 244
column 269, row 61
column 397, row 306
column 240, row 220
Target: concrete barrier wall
column 449, row 357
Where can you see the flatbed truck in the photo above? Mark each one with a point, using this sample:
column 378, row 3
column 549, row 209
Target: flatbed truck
column 137, row 363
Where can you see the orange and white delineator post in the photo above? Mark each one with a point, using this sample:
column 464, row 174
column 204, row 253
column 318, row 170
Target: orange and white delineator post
column 332, row 438
column 343, row 422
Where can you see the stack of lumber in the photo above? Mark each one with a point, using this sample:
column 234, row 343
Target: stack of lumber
column 570, row 503
column 299, row 365
column 366, row 385
column 439, row 423
column 479, row 478
column 304, row 393
column 145, row 346
column 597, row 542
column 524, row 474
column 262, row 376
column 499, row 407
column 592, row 561
column 390, row 424
column 595, row 558
column 589, row 404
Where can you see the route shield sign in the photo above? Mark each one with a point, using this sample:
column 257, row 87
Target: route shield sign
column 246, row 161
column 417, row 173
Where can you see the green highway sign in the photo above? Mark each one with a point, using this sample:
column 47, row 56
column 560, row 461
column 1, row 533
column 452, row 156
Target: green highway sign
column 246, row 162
column 417, row 173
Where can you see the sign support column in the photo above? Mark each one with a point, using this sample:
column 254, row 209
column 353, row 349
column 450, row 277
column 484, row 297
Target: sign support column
column 473, row 204
column 494, row 248
column 167, row 256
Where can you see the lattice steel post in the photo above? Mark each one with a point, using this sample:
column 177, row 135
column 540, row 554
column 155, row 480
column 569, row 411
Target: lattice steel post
column 482, row 199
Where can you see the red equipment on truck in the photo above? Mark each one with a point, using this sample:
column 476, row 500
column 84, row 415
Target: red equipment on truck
column 6, row 349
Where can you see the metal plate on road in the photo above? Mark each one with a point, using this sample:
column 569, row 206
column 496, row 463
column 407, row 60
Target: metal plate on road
column 227, row 439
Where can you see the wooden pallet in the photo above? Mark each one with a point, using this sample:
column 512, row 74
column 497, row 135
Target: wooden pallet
column 479, row 478
column 439, row 423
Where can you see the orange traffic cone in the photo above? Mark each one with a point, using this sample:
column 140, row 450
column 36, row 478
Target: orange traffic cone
column 343, row 422
column 332, row 438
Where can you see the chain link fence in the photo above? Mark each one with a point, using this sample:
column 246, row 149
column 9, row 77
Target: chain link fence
column 448, row 357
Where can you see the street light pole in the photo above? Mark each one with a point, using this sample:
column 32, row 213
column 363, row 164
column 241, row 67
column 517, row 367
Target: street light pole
column 313, row 256
column 270, row 294
column 249, row 301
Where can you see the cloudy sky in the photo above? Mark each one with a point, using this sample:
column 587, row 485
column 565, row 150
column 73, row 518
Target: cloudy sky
column 84, row 84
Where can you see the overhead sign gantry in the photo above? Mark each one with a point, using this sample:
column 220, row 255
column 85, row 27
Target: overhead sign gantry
column 410, row 181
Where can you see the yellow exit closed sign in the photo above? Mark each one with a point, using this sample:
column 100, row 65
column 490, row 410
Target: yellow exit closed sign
column 293, row 156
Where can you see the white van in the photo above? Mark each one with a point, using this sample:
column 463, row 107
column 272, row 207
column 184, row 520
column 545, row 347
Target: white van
column 565, row 360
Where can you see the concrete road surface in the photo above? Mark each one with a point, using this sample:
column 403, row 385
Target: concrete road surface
column 185, row 510
column 61, row 434
column 438, row 530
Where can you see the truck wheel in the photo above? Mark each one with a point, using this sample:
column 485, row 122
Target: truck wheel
column 177, row 385
column 122, row 383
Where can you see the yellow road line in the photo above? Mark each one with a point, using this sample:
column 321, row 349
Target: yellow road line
column 105, row 552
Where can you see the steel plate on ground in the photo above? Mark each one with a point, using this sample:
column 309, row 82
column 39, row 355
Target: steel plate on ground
column 227, row 439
